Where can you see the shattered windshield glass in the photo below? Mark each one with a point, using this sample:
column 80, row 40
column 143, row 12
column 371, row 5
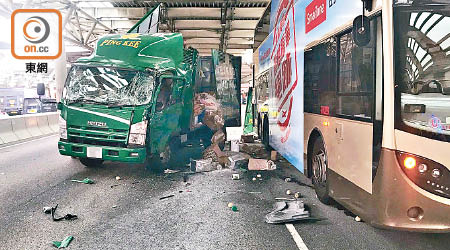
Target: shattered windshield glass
column 107, row 85
column 422, row 54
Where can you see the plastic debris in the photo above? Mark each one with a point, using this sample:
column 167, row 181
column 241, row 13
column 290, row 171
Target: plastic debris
column 258, row 176
column 204, row 165
column 114, row 206
column 288, row 192
column 118, row 178
column 171, row 171
column 235, row 177
column 297, row 195
column 261, row 164
column 288, row 211
column 85, row 181
column 254, row 179
column 65, row 217
column 166, row 197
column 287, row 179
column 47, row 210
column 230, row 205
column 254, row 192
column 357, row 219
column 234, row 208
column 63, row 244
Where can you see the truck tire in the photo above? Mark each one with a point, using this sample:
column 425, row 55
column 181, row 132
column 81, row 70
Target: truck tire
column 91, row 163
column 319, row 162
column 159, row 162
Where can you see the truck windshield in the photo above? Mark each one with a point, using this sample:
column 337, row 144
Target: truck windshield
column 107, row 85
column 422, row 70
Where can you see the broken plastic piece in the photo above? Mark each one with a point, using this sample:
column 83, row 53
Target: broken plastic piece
column 85, row 181
column 167, row 196
column 297, row 195
column 287, row 211
column 234, row 208
column 118, row 178
column 235, row 177
column 47, row 210
column 357, row 219
column 230, row 205
column 171, row 171
column 65, row 217
column 288, row 192
column 63, row 244
column 287, row 179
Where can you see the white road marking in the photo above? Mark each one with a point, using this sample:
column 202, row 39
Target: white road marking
column 298, row 240
column 25, row 142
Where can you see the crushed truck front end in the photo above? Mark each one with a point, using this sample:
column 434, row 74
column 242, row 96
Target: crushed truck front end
column 112, row 107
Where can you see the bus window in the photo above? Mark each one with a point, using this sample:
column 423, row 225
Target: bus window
column 356, row 77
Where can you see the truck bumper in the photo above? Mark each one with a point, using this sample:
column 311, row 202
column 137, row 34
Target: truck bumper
column 132, row 155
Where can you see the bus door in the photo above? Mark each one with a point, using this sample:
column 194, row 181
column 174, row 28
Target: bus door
column 355, row 154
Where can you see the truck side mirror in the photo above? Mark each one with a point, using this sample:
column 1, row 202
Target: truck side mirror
column 40, row 89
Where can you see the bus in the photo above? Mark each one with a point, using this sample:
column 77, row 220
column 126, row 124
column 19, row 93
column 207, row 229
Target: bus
column 358, row 96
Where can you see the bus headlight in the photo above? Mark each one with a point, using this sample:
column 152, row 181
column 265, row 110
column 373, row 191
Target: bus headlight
column 426, row 173
column 62, row 128
column 138, row 132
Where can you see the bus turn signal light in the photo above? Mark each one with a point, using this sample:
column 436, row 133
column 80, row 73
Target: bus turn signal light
column 326, row 124
column 409, row 162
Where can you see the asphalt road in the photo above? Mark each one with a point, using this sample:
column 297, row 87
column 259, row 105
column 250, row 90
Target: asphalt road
column 128, row 214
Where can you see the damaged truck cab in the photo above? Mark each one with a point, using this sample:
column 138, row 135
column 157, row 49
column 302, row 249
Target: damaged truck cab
column 130, row 101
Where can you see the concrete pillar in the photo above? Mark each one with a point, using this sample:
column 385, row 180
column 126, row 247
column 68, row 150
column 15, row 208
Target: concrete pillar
column 60, row 72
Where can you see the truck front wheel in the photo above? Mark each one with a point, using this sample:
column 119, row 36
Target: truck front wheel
column 91, row 163
column 159, row 162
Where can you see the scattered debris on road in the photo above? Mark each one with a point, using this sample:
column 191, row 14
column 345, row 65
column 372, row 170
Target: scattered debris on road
column 166, row 197
column 47, row 210
column 230, row 204
column 65, row 217
column 287, row 211
column 287, row 179
column 235, row 177
column 234, row 208
column 114, row 185
column 297, row 195
column 288, row 192
column 171, row 171
column 261, row 164
column 85, row 181
column 284, row 199
column 358, row 219
column 117, row 178
column 64, row 243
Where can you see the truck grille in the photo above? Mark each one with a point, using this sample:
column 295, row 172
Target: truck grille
column 97, row 136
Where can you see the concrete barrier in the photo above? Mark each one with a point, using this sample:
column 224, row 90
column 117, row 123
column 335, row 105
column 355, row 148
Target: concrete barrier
column 25, row 127
column 20, row 128
column 6, row 131
column 32, row 125
column 42, row 121
column 53, row 122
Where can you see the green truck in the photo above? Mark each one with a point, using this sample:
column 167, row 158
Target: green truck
column 131, row 101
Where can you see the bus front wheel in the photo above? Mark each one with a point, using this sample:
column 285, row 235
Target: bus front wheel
column 319, row 162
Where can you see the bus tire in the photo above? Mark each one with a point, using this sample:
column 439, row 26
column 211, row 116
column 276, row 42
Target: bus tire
column 91, row 163
column 319, row 165
column 159, row 162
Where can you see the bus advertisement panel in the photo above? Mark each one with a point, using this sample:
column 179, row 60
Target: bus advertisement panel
column 293, row 29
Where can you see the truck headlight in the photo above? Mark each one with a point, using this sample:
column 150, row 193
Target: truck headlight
column 138, row 132
column 62, row 128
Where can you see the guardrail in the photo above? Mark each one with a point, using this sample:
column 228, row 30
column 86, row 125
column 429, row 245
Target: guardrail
column 25, row 127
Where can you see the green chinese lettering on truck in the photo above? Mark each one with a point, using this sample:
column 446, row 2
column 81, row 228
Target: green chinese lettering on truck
column 128, row 99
